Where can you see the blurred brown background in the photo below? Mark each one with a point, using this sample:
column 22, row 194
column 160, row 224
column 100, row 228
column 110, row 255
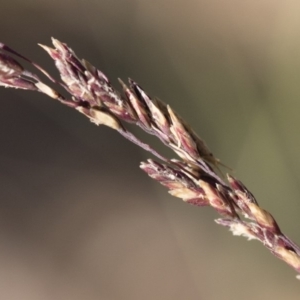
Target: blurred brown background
column 79, row 220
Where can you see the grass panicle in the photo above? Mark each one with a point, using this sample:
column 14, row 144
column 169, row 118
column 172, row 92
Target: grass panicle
column 192, row 177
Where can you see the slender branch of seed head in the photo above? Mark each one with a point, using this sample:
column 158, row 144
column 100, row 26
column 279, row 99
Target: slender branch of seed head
column 128, row 135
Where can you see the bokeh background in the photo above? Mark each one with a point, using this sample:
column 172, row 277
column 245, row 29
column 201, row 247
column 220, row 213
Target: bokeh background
column 80, row 220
